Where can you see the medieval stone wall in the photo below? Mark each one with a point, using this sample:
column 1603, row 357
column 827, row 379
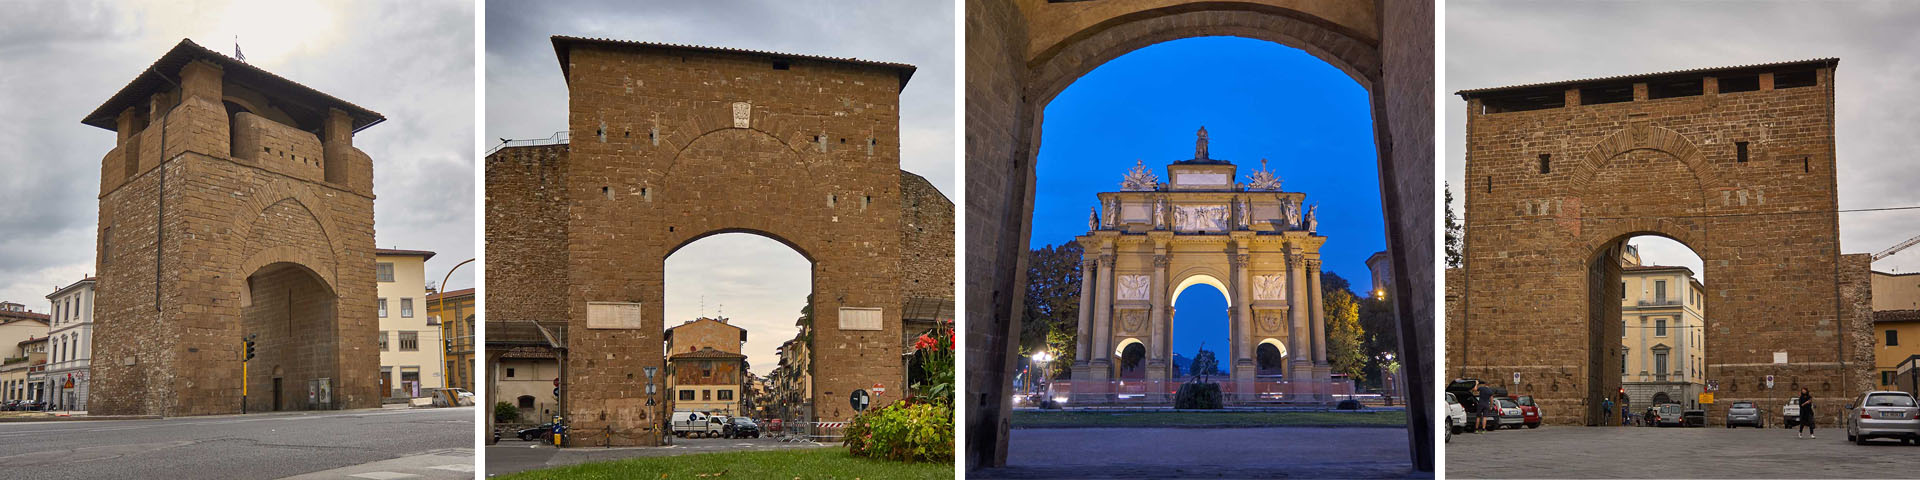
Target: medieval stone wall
column 1764, row 227
column 926, row 239
column 526, row 235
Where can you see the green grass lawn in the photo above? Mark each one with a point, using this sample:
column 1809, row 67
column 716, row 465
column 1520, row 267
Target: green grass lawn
column 810, row 463
column 1025, row 418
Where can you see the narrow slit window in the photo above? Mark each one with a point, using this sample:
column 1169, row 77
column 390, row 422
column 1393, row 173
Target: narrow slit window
column 607, row 192
column 1546, row 163
column 1740, row 152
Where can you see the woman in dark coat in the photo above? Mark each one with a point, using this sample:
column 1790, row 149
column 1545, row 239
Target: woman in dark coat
column 1806, row 412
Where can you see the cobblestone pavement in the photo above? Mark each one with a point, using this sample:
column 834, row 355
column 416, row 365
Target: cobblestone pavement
column 1646, row 452
column 513, row 455
column 1206, row 453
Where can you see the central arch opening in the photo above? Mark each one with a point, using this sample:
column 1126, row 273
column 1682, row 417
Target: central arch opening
column 293, row 319
column 1648, row 291
column 737, row 317
column 1201, row 340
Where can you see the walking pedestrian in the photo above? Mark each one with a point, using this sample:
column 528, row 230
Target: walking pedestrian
column 1606, row 411
column 1806, row 413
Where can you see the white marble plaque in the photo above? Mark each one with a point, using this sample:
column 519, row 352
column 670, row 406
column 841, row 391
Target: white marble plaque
column 1192, row 218
column 859, row 318
column 1202, row 179
column 1134, row 287
column 742, row 114
column 613, row 315
column 1270, row 287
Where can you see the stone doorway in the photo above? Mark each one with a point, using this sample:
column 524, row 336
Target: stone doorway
column 293, row 318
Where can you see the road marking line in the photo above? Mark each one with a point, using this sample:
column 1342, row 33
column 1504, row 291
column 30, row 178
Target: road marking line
column 383, row 475
column 455, row 467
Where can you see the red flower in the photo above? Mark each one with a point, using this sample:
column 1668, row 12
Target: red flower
column 923, row 343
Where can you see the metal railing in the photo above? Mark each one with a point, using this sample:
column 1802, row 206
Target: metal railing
column 559, row 137
column 1149, row 392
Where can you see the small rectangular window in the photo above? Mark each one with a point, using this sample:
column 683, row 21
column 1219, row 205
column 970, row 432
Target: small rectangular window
column 383, row 308
column 706, row 394
column 1546, row 163
column 1745, row 83
column 1660, row 291
column 1606, row 94
column 406, row 308
column 726, row 395
column 509, row 373
column 686, row 395
column 1893, row 338
column 1740, row 152
column 409, row 341
column 1660, row 327
column 385, row 270
column 383, row 341
column 1803, row 78
column 1692, row 87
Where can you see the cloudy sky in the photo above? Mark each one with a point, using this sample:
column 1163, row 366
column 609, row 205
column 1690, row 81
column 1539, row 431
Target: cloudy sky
column 412, row 62
column 762, row 283
column 1493, row 44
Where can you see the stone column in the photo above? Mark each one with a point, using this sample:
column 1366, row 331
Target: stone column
column 1103, row 319
column 1080, row 349
column 1299, row 347
column 1156, row 359
column 1322, row 371
column 1243, row 367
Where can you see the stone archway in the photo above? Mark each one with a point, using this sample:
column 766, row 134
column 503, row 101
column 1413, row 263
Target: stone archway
column 1743, row 178
column 796, row 148
column 1021, row 52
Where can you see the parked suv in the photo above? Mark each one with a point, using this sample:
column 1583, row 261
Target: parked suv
column 1883, row 414
column 741, row 427
column 1745, row 413
column 1790, row 414
column 1670, row 415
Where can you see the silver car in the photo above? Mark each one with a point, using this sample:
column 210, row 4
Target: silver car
column 1889, row 414
column 1745, row 413
column 1510, row 415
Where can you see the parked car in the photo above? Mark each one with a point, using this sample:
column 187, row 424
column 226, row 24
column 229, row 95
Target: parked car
column 1456, row 415
column 740, row 427
column 1669, row 415
column 1745, row 413
column 1529, row 412
column 1883, row 414
column 1510, row 415
column 535, row 433
column 1693, row 418
column 775, row 425
column 697, row 424
column 1790, row 414
column 1463, row 389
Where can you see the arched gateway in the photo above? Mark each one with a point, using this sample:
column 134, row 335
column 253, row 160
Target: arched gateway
column 1737, row 163
column 233, row 205
column 670, row 144
column 1152, row 239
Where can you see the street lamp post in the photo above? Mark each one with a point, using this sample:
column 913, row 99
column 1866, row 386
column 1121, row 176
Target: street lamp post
column 1043, row 358
column 444, row 341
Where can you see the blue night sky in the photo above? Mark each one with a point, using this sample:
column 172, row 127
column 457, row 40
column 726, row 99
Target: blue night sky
column 1257, row 99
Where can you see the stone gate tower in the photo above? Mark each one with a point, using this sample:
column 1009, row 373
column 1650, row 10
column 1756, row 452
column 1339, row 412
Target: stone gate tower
column 233, row 204
column 1737, row 163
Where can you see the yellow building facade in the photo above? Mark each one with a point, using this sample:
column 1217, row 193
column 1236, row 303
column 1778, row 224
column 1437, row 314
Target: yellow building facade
column 1664, row 311
column 1896, row 331
column 705, row 367
column 409, row 342
column 454, row 310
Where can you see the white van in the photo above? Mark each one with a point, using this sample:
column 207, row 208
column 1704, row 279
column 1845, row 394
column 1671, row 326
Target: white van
column 688, row 423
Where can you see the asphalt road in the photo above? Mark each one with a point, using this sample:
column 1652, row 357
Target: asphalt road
column 512, row 455
column 1648, row 452
column 1278, row 452
column 270, row 445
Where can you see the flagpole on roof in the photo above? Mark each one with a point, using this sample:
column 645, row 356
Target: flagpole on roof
column 236, row 49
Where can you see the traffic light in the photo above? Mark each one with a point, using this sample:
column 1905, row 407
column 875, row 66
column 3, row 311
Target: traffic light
column 249, row 350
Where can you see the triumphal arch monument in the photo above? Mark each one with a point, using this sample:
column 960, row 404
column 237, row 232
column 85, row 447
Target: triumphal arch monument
column 1150, row 241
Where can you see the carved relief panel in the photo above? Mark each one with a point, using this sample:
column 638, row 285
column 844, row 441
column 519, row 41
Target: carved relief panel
column 1193, row 218
column 1133, row 323
column 1270, row 287
column 1134, row 287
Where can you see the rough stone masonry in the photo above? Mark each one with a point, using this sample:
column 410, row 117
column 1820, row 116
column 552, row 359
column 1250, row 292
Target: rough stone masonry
column 233, row 203
column 1737, row 163
column 670, row 144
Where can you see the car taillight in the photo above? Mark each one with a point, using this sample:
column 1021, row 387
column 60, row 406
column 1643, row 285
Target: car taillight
column 1863, row 414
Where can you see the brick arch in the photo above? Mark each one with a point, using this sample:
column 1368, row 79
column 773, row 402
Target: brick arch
column 1640, row 135
column 680, row 149
column 274, row 192
column 321, row 267
column 1061, row 64
column 690, row 239
column 1596, row 241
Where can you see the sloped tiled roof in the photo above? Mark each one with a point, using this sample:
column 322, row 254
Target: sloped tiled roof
column 1482, row 92
column 563, row 43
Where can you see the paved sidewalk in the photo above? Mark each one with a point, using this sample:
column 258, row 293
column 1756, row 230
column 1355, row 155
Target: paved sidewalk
column 1648, row 452
column 1278, row 452
column 448, row 464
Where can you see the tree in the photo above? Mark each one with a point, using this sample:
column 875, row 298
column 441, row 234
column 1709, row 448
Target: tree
column 1381, row 331
column 1052, row 296
column 1062, row 341
column 1345, row 350
column 1456, row 238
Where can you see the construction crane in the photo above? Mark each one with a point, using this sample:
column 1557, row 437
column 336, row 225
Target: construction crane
column 1896, row 248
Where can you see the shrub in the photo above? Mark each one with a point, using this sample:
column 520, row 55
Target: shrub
column 505, row 412
column 903, row 431
column 1195, row 395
